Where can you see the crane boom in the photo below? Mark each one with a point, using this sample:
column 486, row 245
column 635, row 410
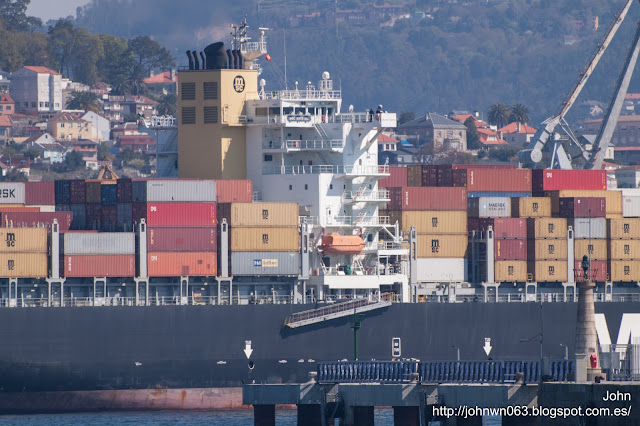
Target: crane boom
column 540, row 139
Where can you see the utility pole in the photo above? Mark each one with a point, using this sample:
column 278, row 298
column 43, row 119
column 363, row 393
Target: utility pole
column 356, row 323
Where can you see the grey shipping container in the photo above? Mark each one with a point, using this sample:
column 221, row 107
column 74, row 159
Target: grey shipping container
column 265, row 263
column 590, row 227
column 630, row 206
column 11, row 193
column 167, row 191
column 489, row 207
column 99, row 243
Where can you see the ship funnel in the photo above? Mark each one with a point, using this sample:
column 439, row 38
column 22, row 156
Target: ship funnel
column 216, row 56
column 240, row 60
column 204, row 61
column 190, row 56
column 236, row 59
column 196, row 60
column 230, row 58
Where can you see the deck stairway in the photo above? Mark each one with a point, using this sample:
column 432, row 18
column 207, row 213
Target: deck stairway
column 337, row 310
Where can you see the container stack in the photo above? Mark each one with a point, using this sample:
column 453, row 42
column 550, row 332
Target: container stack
column 23, row 253
column 590, row 239
column 630, row 202
column 624, row 250
column 265, row 239
column 510, row 249
column 514, row 183
column 99, row 254
column 547, row 249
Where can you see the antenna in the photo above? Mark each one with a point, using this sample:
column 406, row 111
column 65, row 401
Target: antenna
column 284, row 38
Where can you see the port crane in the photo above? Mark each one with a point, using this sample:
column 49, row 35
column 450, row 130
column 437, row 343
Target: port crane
column 548, row 134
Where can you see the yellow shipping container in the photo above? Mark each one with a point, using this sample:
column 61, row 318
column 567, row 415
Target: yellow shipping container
column 23, row 240
column 414, row 175
column 510, row 271
column 23, row 265
column 549, row 270
column 431, row 222
column 597, row 249
column 430, row 245
column 614, row 200
column 265, row 239
column 259, row 214
column 547, row 227
column 531, row 207
column 628, row 228
column 624, row 249
column 624, row 270
column 548, row 249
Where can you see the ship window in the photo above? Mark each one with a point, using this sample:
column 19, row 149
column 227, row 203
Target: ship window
column 210, row 90
column 330, row 186
column 306, row 186
column 290, row 187
column 211, row 115
column 188, row 91
column 268, row 157
column 188, row 115
column 261, row 112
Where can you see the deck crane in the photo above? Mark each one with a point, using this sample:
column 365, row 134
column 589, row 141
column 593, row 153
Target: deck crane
column 593, row 158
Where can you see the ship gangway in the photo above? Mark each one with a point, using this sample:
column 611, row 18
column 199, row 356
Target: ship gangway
column 337, row 310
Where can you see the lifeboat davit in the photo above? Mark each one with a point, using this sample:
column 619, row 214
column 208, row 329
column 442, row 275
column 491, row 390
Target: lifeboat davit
column 335, row 243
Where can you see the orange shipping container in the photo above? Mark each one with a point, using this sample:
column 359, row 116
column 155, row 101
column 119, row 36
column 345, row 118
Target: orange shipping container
column 624, row 271
column 597, row 249
column 23, row 240
column 177, row 264
column 613, row 200
column 547, row 249
column 531, row 207
column 23, row 265
column 259, row 214
column 510, row 271
column 628, row 228
column 265, row 239
column 431, row 222
column 430, row 245
column 548, row 271
column 624, row 249
column 547, row 227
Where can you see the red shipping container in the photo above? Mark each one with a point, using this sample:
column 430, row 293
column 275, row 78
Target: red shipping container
column 19, row 209
column 504, row 227
column 124, row 190
column 505, row 249
column 234, row 191
column 37, row 219
column 598, row 270
column 78, row 192
column 39, row 193
column 583, row 207
column 498, row 180
column 556, row 180
column 427, row 198
column 459, row 178
column 482, row 166
column 181, row 214
column 182, row 239
column 119, row 265
column 397, row 178
column 178, row 264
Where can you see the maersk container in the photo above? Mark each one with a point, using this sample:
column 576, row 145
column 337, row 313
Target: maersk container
column 430, row 245
column 109, row 194
column 414, row 176
column 547, row 227
column 23, row 265
column 624, row 271
column 182, row 239
column 79, row 216
column 23, row 240
column 124, row 190
column 118, row 265
column 548, row 271
column 499, row 180
column 234, row 191
column 93, row 191
column 433, row 198
column 582, row 207
column 63, row 192
column 590, row 228
column 124, row 217
column 181, row 214
column 38, row 219
column 499, row 194
column 264, row 239
column 39, row 193
column 598, row 270
column 554, row 180
column 441, row 270
column 628, row 228
column 12, row 193
column 613, row 200
column 504, row 227
column 77, row 190
column 109, row 219
column 528, row 207
column 630, row 206
column 99, row 243
column 139, row 187
column 177, row 190
column 264, row 263
column 431, row 222
column 489, row 207
column 547, row 249
column 624, row 250
column 259, row 214
column 181, row 264
column 397, row 178
column 510, row 249
column 595, row 249
column 510, row 271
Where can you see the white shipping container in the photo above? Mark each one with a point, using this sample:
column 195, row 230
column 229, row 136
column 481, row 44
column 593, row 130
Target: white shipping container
column 441, row 270
column 11, row 193
column 99, row 243
column 630, row 205
column 489, row 207
column 260, row 263
column 167, row 191
column 590, row 228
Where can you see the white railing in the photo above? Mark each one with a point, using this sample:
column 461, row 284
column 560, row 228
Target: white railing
column 315, row 144
column 311, row 220
column 301, row 94
column 348, row 170
column 254, row 47
column 353, row 117
column 382, row 194
column 358, row 221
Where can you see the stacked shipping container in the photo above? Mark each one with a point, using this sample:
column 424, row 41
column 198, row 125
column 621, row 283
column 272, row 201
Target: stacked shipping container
column 23, row 253
column 590, row 239
column 547, row 249
column 624, row 250
column 510, row 249
column 99, row 254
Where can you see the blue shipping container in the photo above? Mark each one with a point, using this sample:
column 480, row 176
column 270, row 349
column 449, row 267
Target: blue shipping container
column 125, row 217
column 139, row 191
column 79, row 221
column 63, row 191
column 499, row 194
column 109, row 195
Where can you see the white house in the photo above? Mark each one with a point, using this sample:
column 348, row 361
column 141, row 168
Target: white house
column 36, row 90
column 101, row 126
column 50, row 149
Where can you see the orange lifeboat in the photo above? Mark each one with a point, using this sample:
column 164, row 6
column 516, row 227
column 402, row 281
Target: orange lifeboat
column 335, row 243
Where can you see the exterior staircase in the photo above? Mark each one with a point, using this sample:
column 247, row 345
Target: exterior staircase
column 337, row 310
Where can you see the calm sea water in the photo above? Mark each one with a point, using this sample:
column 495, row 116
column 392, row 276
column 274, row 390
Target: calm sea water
column 383, row 417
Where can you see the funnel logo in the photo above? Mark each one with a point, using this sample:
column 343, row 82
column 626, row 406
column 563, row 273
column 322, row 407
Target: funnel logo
column 238, row 84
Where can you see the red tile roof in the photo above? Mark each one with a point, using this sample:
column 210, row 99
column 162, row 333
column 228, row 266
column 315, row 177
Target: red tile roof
column 6, row 99
column 66, row 116
column 386, row 139
column 5, row 121
column 161, row 78
column 513, row 128
column 485, row 134
column 42, row 70
column 136, row 139
column 464, row 117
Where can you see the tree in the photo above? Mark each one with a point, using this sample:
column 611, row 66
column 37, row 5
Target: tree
column 405, row 117
column 14, row 175
column 137, row 85
column 104, row 154
column 116, row 62
column 499, row 115
column 168, row 105
column 86, row 101
column 32, row 153
column 473, row 137
column 130, row 118
column 150, row 55
column 519, row 114
column 75, row 52
column 14, row 13
column 73, row 161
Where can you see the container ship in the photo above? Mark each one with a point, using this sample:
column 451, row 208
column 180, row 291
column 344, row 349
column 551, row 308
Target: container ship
column 282, row 226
